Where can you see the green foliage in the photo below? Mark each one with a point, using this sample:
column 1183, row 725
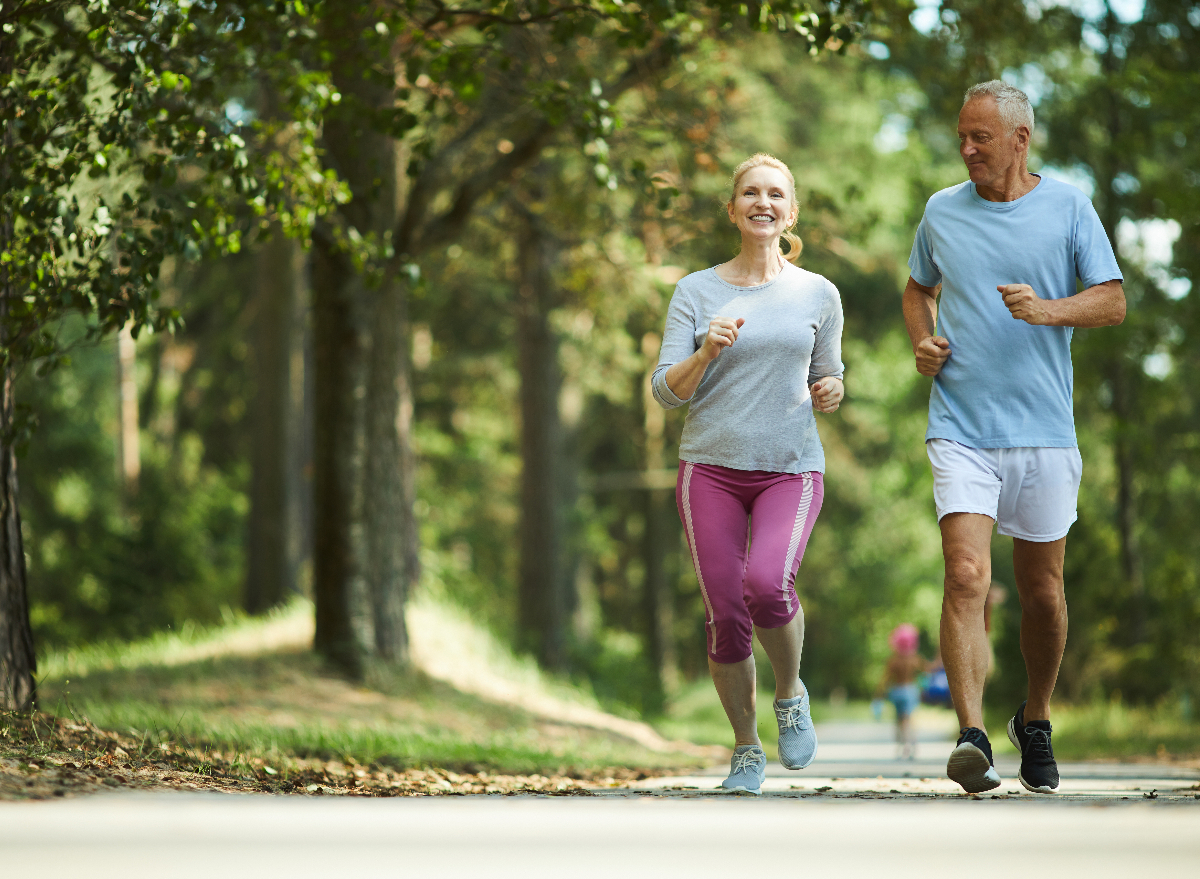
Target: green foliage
column 107, row 564
column 118, row 153
column 179, row 153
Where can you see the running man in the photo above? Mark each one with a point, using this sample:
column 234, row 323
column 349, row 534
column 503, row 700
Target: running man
column 1004, row 249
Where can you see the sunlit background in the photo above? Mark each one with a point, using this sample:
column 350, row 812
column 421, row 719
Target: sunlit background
column 166, row 474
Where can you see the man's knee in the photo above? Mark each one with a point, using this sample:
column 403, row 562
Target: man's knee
column 967, row 576
column 1043, row 596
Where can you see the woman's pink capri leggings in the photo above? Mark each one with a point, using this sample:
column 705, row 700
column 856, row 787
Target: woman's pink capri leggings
column 747, row 530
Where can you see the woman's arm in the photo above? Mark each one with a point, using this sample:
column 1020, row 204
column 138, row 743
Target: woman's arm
column 827, row 394
column 684, row 377
column 825, row 369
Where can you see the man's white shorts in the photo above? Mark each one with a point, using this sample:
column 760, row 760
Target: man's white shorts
column 1030, row 492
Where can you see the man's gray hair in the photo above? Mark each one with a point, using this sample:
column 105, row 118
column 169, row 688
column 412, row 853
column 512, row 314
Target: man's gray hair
column 1013, row 103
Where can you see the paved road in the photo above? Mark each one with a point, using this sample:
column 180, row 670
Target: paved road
column 857, row 828
column 229, row 837
column 860, row 758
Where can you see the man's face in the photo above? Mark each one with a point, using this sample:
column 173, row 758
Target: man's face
column 989, row 151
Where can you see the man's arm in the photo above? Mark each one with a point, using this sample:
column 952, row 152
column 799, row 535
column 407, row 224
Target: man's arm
column 920, row 319
column 1100, row 306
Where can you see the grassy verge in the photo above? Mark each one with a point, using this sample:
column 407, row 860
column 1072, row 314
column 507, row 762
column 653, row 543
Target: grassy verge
column 44, row 756
column 1115, row 731
column 246, row 706
column 284, row 705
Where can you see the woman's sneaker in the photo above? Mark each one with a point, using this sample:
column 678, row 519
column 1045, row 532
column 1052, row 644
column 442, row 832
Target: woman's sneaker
column 797, row 737
column 747, row 770
column 970, row 762
column 1039, row 771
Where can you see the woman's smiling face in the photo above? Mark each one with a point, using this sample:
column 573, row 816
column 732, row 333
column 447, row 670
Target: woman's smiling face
column 763, row 203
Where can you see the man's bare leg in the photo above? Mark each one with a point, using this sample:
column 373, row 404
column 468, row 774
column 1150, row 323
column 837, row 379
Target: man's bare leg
column 1039, row 574
column 966, row 547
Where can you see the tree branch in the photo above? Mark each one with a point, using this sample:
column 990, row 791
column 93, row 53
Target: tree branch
column 450, row 223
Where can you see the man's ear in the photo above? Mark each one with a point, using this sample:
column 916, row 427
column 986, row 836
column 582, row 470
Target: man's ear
column 1023, row 137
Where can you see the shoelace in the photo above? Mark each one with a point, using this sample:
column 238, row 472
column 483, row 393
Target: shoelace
column 746, row 760
column 793, row 716
column 976, row 737
column 1039, row 741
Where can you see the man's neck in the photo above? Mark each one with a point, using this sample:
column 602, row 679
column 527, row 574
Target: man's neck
column 1014, row 185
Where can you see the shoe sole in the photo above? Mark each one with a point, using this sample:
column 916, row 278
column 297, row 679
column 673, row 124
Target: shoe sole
column 757, row 792
column 969, row 768
column 1016, row 743
column 801, row 765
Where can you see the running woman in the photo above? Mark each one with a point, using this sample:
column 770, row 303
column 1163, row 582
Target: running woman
column 1005, row 249
column 754, row 347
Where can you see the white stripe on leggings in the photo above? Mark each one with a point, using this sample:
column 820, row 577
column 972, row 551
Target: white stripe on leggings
column 797, row 532
column 711, row 622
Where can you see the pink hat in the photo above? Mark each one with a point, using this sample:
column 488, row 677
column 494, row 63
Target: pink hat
column 904, row 638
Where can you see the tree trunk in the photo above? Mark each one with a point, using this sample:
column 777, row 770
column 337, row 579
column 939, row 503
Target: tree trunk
column 363, row 501
column 1127, row 512
column 17, row 659
column 389, row 477
column 337, row 358
column 656, row 598
column 271, row 550
column 1125, row 418
column 542, row 596
column 129, row 453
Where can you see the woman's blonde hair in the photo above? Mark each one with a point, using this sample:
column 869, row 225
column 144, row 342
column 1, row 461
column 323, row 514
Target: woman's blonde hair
column 758, row 160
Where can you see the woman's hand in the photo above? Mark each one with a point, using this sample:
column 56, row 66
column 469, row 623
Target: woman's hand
column 722, row 332
column 827, row 394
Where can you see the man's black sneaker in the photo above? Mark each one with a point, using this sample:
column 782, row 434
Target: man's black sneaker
column 1039, row 772
column 970, row 762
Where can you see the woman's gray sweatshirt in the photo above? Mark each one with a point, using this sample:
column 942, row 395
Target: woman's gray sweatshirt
column 753, row 410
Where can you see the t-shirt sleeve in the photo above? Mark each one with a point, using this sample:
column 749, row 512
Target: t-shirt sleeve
column 1095, row 262
column 920, row 262
column 827, row 348
column 679, row 343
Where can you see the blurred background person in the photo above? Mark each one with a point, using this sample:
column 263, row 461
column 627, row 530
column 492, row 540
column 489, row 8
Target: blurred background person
column 899, row 683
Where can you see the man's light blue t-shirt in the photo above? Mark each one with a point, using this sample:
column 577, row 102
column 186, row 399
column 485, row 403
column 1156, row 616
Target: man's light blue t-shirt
column 1006, row 384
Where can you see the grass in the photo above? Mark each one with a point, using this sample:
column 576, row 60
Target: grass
column 250, row 692
column 252, row 687
column 1116, row 731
